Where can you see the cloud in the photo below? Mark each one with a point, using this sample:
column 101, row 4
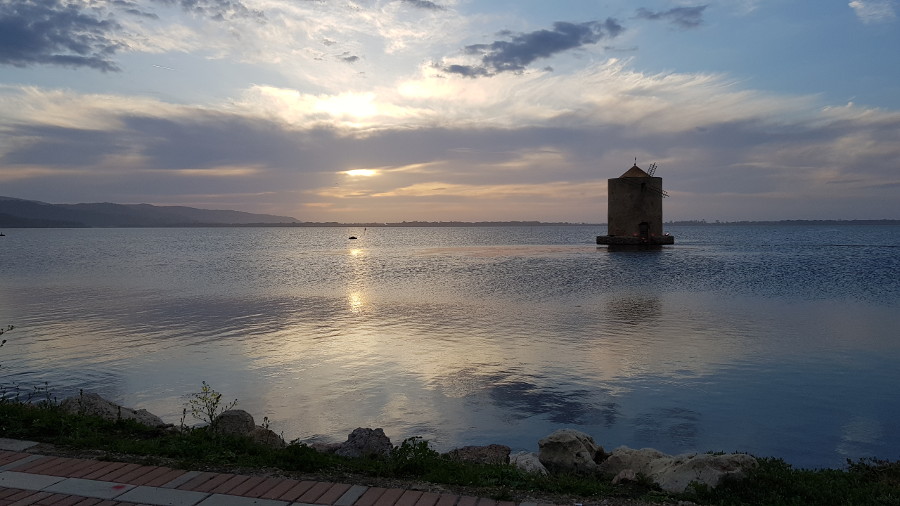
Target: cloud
column 55, row 33
column 424, row 4
column 874, row 11
column 218, row 10
column 524, row 48
column 683, row 17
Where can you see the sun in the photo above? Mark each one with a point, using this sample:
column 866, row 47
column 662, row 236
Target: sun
column 361, row 172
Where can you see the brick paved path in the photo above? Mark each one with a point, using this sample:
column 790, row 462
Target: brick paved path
column 27, row 478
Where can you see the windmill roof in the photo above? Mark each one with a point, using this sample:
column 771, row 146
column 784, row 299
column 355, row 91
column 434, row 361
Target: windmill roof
column 635, row 171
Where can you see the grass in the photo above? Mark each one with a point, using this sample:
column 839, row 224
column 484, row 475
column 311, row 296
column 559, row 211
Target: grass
column 774, row 482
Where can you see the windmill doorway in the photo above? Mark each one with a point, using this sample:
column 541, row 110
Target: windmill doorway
column 644, row 230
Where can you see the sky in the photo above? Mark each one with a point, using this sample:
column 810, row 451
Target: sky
column 454, row 110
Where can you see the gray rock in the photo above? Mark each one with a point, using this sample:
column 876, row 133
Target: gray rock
column 623, row 458
column 490, row 454
column 571, row 451
column 93, row 404
column 235, row 422
column 365, row 443
column 528, row 462
column 674, row 474
column 325, row 447
column 625, row 475
column 267, row 437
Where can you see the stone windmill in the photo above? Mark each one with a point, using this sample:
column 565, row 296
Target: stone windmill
column 635, row 214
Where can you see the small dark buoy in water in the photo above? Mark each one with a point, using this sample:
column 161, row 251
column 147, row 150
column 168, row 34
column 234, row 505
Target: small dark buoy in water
column 353, row 237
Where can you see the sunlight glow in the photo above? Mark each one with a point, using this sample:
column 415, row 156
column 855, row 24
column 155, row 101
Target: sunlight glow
column 361, row 172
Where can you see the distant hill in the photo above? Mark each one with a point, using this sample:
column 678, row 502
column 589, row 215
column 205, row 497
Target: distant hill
column 19, row 213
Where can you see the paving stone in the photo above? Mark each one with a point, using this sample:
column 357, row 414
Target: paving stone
column 15, row 445
column 162, row 496
column 234, row 500
column 184, row 478
column 14, row 479
column 89, row 488
column 16, row 464
column 351, row 495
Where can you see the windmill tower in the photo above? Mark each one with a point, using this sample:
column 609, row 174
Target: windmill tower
column 635, row 215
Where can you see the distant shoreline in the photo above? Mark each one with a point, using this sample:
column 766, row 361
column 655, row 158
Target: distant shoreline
column 450, row 224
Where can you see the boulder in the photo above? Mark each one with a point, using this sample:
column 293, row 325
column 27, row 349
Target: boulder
column 528, row 462
column 569, row 450
column 624, row 476
column 674, row 474
column 365, row 443
column 325, row 447
column 93, row 404
column 623, row 458
column 235, row 422
column 267, row 437
column 490, row 454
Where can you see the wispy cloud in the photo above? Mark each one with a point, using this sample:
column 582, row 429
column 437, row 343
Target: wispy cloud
column 682, row 17
column 874, row 11
column 218, row 10
column 522, row 49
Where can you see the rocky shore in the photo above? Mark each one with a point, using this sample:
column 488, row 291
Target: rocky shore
column 563, row 451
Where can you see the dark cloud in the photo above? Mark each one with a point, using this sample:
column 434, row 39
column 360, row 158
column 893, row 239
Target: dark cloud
column 522, row 49
column 683, row 17
column 424, row 4
column 349, row 58
column 218, row 10
column 51, row 32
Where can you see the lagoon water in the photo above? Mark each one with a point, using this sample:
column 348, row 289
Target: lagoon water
column 775, row 340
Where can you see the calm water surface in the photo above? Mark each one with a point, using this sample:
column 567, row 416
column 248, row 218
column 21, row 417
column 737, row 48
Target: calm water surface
column 776, row 340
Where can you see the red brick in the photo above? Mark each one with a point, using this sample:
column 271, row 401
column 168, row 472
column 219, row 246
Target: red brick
column 164, row 478
column 279, row 489
column 89, row 467
column 447, row 500
column 65, row 468
column 315, row 492
column 389, row 497
column 103, row 470
column 233, row 481
column 87, row 502
column 409, row 498
column 122, row 471
column 296, row 491
column 334, row 492
column 428, row 499
column 263, row 487
column 59, row 500
column 10, row 457
column 35, row 465
column 370, row 496
column 247, row 485
column 486, row 502
column 467, row 500
column 31, row 498
column 197, row 481
column 143, row 473
column 213, row 482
